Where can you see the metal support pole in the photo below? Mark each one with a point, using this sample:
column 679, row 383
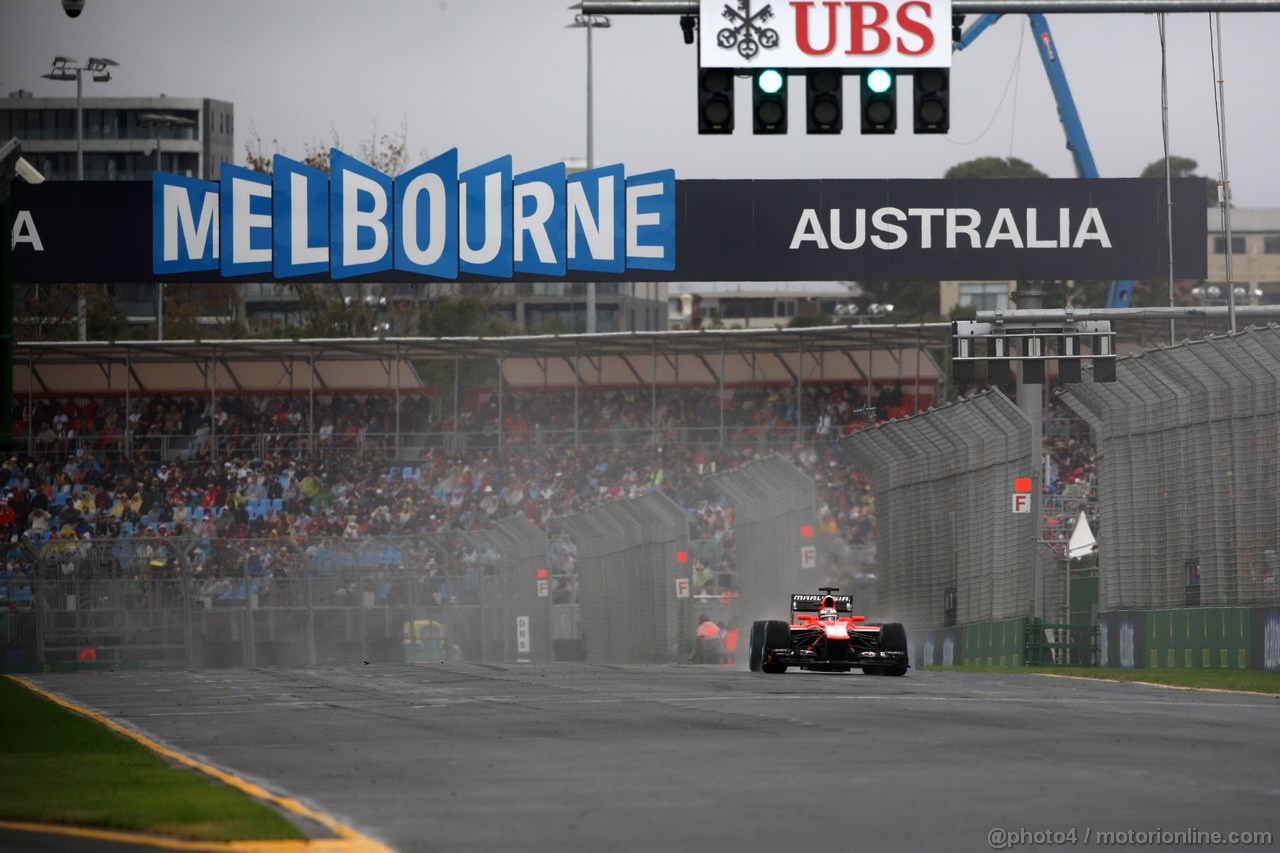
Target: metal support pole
column 915, row 409
column 6, row 327
column 799, row 388
column 79, row 128
column 188, row 619
column 82, row 331
column 720, row 397
column 31, row 405
column 1224, row 189
column 577, row 383
column 250, row 640
column 501, row 409
column 311, row 402
column 871, row 368
column 591, row 164
column 653, row 396
column 396, row 367
column 1029, row 295
column 213, row 404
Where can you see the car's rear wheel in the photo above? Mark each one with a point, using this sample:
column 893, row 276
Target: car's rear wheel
column 777, row 635
column 757, row 646
column 893, row 638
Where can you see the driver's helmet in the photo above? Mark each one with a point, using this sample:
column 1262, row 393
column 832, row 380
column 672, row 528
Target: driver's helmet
column 828, row 614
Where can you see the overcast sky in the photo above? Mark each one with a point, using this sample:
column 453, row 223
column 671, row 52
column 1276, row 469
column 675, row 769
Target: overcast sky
column 495, row 77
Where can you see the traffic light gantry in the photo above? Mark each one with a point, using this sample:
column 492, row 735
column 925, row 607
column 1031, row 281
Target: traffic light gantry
column 824, row 99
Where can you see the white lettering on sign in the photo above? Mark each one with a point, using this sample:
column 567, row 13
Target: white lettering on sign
column 799, row 34
column 24, row 231
column 808, row 557
column 917, row 227
column 522, row 635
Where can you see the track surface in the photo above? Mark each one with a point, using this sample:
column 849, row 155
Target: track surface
column 578, row 757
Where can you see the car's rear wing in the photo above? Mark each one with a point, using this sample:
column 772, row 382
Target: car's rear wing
column 807, row 603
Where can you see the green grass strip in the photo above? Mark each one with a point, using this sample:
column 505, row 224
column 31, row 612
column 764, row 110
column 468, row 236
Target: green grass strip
column 59, row 767
column 1248, row 680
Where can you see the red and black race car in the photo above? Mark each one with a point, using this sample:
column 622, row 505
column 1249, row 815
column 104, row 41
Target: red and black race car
column 824, row 635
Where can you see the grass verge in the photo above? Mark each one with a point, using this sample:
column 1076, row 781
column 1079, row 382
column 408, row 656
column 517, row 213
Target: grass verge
column 61, row 768
column 1248, row 680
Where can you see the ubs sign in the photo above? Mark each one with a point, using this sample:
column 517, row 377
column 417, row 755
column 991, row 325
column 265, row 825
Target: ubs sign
column 825, row 34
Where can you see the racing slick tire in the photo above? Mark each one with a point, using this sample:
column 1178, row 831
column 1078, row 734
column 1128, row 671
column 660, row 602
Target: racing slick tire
column 893, row 638
column 757, row 646
column 777, row 635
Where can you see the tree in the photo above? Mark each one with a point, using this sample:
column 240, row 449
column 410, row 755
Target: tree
column 1183, row 167
column 44, row 312
column 994, row 167
column 386, row 152
column 200, row 312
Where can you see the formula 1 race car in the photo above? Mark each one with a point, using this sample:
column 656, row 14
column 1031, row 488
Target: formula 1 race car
column 824, row 635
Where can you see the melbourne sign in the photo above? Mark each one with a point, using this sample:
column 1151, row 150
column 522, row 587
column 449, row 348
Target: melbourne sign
column 434, row 223
column 802, row 34
column 430, row 221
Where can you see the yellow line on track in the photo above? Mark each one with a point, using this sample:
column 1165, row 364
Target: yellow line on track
column 348, row 840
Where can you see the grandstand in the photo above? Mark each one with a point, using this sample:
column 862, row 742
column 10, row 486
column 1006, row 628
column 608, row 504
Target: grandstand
column 251, row 480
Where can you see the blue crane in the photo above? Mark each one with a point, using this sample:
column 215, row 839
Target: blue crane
column 1077, row 142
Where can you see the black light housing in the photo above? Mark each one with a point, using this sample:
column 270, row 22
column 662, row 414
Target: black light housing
column 824, row 100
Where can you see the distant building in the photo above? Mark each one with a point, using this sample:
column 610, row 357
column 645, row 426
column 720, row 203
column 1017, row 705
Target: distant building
column 120, row 135
column 1255, row 267
column 1255, row 254
column 753, row 304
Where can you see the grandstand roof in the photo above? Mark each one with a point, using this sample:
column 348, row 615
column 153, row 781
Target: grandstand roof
column 828, row 353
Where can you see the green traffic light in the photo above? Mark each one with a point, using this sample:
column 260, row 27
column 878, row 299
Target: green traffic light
column 879, row 81
column 770, row 81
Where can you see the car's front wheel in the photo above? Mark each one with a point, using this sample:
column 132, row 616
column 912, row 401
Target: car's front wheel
column 757, row 646
column 893, row 638
column 777, row 635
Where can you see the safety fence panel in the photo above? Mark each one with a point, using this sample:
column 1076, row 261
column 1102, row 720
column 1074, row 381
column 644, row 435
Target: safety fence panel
column 626, row 567
column 515, row 590
column 599, row 573
column 1188, row 474
column 295, row 601
column 667, row 536
column 775, row 520
column 949, row 549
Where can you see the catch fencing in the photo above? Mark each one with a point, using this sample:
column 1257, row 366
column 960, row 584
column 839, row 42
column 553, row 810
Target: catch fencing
column 1188, row 473
column 949, row 551
column 297, row 601
column 775, row 549
column 627, row 565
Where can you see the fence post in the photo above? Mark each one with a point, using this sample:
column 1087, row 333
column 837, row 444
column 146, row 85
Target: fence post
column 250, row 639
column 188, row 640
column 309, row 586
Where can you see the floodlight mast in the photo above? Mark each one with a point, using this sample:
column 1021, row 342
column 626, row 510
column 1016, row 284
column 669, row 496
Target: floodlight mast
column 65, row 68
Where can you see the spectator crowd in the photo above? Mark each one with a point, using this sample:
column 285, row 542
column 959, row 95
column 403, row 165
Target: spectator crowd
column 244, row 475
